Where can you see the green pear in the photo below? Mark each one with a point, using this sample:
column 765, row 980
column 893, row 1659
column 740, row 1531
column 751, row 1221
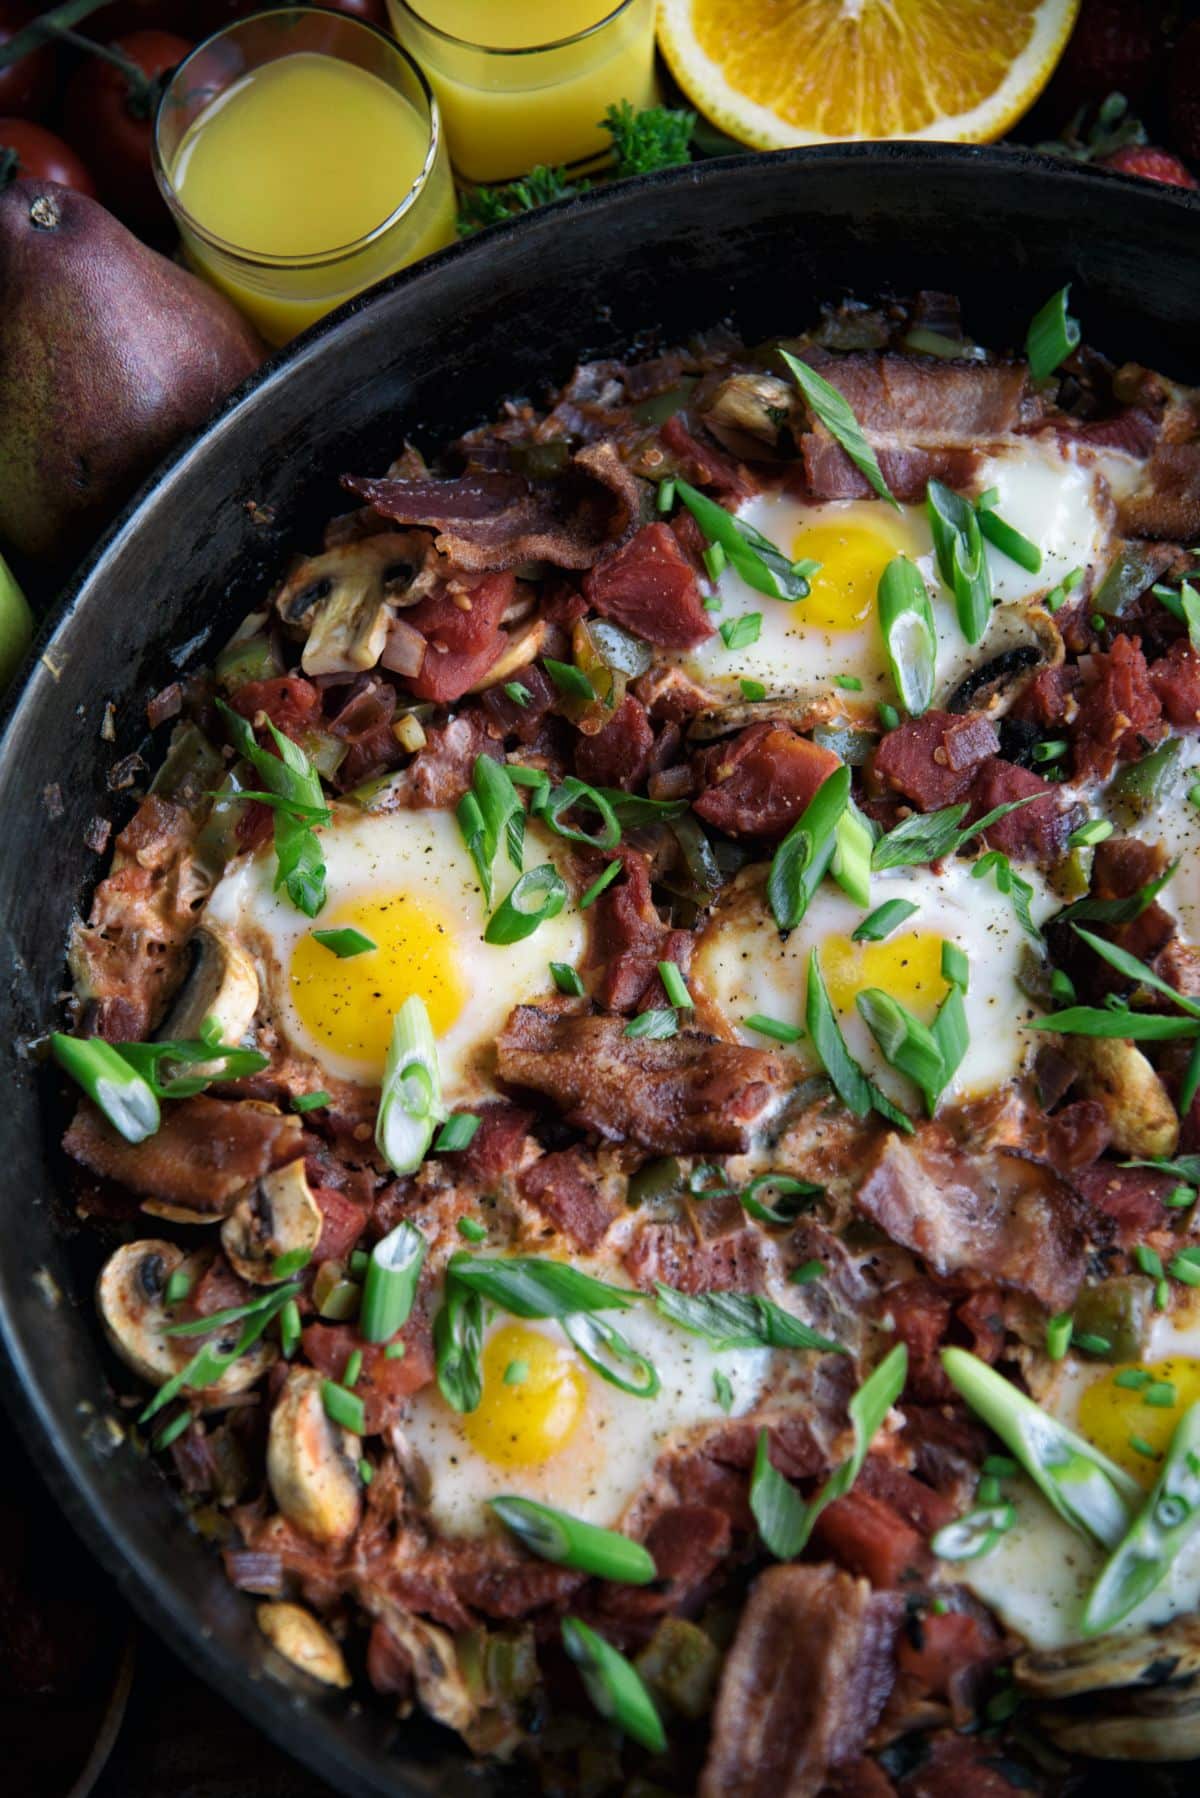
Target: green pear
column 109, row 354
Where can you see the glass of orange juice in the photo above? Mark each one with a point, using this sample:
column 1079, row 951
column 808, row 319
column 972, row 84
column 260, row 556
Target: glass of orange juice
column 302, row 155
column 524, row 82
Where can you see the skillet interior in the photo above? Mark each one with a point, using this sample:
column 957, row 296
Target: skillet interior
column 760, row 240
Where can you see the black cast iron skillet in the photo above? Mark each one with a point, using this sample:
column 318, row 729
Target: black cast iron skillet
column 758, row 240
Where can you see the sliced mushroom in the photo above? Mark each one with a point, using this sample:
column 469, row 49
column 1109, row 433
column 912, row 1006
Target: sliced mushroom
column 131, row 1296
column 523, row 645
column 804, row 711
column 1140, row 1114
column 441, row 1685
column 1130, row 1726
column 1021, row 640
column 749, row 410
column 343, row 600
column 304, row 1642
column 1144, row 1657
column 312, row 1462
column 223, row 985
column 277, row 1216
column 227, row 1196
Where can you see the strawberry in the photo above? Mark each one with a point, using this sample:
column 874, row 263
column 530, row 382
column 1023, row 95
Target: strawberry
column 1151, row 164
column 1183, row 94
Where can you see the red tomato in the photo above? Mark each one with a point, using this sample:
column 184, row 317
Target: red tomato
column 41, row 157
column 111, row 115
column 26, row 88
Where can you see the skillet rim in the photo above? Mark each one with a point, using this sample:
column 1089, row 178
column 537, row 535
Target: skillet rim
column 351, row 1763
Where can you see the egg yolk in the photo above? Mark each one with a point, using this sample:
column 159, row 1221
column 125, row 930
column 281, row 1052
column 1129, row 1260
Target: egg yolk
column 907, row 966
column 1115, row 1417
column 348, row 1004
column 853, row 555
column 534, row 1396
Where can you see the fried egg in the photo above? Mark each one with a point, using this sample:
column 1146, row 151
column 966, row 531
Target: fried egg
column 1039, row 1574
column 745, row 966
column 1044, row 492
column 406, row 881
column 548, row 1428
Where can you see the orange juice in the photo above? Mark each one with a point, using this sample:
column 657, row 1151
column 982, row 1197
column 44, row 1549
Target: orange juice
column 293, row 178
column 509, row 102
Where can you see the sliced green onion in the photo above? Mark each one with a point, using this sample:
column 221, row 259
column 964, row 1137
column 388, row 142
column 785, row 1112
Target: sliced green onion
column 666, row 495
column 849, row 683
column 708, row 1182
column 391, row 1284
column 1052, row 750
column 837, row 415
column 889, row 717
column 1190, row 1084
column 971, row 1537
column 342, row 1407
column 1161, row 1394
column 1088, row 1490
column 344, row 943
column 458, row 1132
column 956, row 969
column 411, row 1099
column 962, row 564
column 722, row 1391
column 883, row 920
column 178, row 1286
column 802, row 858
column 806, row 1273
column 752, row 689
column 289, row 1329
column 606, row 1350
column 785, row 1523
column 1052, row 335
column 571, row 682
column 529, row 1287
column 852, row 1086
column 564, row 975
column 553, row 806
column 1009, row 541
column 207, row 1366
column 514, row 690
column 739, row 633
column 785, row 1187
column 538, row 895
column 1096, row 830
column 471, row 1230
column 516, row 1373
column 774, row 1027
column 569, row 1542
column 675, row 986
column 657, row 1024
column 931, row 836
column 310, row 1101
column 1166, row 1521
column 353, row 1369
column 728, row 1320
column 906, row 620
column 172, row 1431
column 1059, row 1331
column 457, row 1343
column 851, row 865
column 614, row 1685
column 754, row 557
column 1092, row 1344
column 715, row 562
column 600, row 886
column 292, row 779
column 120, row 1093
column 289, row 1263
column 904, row 1042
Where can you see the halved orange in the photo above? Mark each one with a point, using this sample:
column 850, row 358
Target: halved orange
column 778, row 72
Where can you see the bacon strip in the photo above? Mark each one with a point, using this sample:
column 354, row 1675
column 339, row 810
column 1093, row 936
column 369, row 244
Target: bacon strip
column 804, row 1683
column 690, row 1093
column 201, row 1157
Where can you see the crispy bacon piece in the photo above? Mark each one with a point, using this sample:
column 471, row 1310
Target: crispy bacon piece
column 292, row 703
column 956, row 1765
column 1119, row 710
column 1036, row 833
column 494, row 521
column 463, row 637
column 619, row 754
column 499, row 1145
column 867, row 1537
column 342, row 1223
column 738, row 1261
column 920, row 1315
column 987, row 1213
column 687, row 1544
column 1131, row 1198
column 758, row 783
column 1175, row 678
column 830, row 474
column 648, row 585
column 1167, row 504
column 690, row 1093
column 568, row 1190
column 205, row 1151
column 803, row 1685
column 1133, row 430
column 384, row 1382
column 932, row 760
column 629, row 939
column 704, row 465
column 440, row 773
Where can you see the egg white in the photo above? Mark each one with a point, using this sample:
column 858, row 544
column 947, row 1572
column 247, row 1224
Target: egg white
column 419, row 857
column 1039, row 1574
column 1174, row 821
column 745, row 966
column 611, row 1453
column 1048, row 493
